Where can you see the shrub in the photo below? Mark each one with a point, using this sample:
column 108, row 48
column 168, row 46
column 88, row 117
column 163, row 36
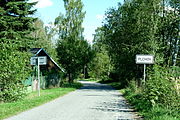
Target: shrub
column 12, row 92
column 160, row 90
column 158, row 99
column 136, row 97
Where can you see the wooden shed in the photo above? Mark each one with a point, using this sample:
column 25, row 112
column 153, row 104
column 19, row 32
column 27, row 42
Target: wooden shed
column 50, row 74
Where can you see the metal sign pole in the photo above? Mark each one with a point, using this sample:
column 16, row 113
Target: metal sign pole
column 38, row 77
column 144, row 73
column 39, row 60
column 144, row 59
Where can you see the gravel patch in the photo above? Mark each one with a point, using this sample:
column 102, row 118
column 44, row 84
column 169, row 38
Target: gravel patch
column 94, row 101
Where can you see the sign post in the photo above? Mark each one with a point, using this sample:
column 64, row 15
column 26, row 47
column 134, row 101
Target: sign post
column 144, row 73
column 38, row 77
column 41, row 60
column 144, row 59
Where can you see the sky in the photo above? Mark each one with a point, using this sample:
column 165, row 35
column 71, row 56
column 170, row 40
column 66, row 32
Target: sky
column 48, row 10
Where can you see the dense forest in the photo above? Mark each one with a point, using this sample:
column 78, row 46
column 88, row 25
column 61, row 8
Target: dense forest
column 134, row 27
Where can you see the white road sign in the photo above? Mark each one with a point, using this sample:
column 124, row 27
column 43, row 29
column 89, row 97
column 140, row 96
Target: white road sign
column 33, row 60
column 144, row 59
column 42, row 60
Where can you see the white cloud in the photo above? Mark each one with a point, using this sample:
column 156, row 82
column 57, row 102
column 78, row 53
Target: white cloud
column 43, row 3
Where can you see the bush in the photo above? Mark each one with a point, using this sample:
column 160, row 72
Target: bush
column 158, row 99
column 135, row 96
column 160, row 90
column 14, row 70
column 12, row 92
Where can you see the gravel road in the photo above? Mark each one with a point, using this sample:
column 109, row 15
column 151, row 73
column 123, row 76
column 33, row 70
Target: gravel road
column 94, row 101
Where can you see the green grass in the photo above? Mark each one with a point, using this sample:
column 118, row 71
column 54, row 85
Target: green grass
column 161, row 113
column 33, row 100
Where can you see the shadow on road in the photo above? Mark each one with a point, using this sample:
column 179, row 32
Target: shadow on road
column 114, row 102
column 125, row 112
column 95, row 86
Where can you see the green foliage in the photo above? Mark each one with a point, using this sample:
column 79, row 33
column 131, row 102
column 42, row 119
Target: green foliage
column 43, row 38
column 162, row 113
column 129, row 30
column 72, row 85
column 74, row 52
column 160, row 90
column 136, row 97
column 74, row 56
column 100, row 66
column 140, row 27
column 144, row 27
column 158, row 99
column 12, row 92
column 15, row 25
column 145, row 109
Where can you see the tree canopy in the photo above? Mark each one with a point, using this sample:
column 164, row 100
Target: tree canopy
column 141, row 27
column 73, row 51
column 15, row 26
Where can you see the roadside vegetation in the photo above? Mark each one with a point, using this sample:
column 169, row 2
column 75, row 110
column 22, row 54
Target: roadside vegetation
column 148, row 109
column 142, row 27
column 163, row 105
column 32, row 99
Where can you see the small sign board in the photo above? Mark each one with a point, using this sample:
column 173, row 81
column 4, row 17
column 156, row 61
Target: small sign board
column 144, row 59
column 42, row 60
column 33, row 60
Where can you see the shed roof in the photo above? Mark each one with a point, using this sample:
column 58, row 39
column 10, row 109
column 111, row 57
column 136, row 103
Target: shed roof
column 36, row 51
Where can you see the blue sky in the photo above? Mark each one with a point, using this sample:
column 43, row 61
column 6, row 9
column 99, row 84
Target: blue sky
column 48, row 10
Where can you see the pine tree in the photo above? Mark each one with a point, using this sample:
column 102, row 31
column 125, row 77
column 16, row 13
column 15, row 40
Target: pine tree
column 15, row 26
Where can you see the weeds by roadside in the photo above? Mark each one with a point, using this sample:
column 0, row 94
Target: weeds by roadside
column 146, row 109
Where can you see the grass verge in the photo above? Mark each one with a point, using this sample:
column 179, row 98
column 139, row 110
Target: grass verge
column 33, row 100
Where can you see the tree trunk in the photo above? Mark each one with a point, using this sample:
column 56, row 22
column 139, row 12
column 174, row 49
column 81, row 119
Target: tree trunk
column 84, row 71
column 70, row 77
